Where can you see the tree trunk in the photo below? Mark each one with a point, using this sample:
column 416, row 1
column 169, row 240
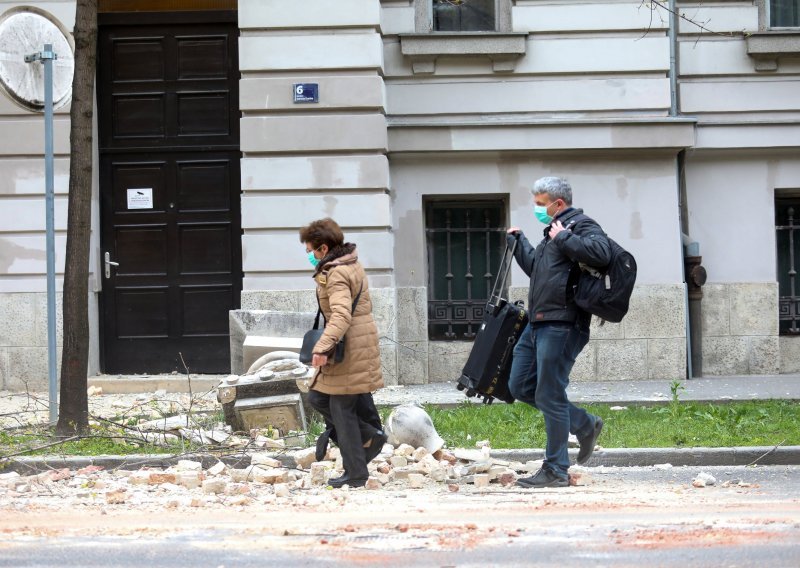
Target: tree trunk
column 74, row 405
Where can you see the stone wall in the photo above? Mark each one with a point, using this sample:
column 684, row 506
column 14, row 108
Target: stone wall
column 740, row 330
column 23, row 340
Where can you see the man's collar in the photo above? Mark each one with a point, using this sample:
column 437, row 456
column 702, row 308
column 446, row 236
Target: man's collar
column 561, row 214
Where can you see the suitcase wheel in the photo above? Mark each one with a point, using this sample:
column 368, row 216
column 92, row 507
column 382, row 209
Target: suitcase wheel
column 471, row 392
column 460, row 387
column 488, row 400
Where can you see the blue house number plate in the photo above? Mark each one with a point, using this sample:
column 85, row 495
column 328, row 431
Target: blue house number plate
column 306, row 92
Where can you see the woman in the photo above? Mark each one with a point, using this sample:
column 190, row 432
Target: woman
column 342, row 392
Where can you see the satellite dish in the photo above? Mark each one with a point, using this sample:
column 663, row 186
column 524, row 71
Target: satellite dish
column 24, row 31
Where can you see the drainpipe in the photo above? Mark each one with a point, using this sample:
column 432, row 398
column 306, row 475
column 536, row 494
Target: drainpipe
column 694, row 275
column 673, row 58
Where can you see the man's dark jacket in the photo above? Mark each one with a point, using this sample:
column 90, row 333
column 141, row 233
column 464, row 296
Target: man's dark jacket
column 553, row 268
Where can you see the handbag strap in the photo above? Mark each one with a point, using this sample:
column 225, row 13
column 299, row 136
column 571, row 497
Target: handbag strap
column 352, row 310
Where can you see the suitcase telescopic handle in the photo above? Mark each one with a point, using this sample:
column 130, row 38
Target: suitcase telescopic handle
column 503, row 270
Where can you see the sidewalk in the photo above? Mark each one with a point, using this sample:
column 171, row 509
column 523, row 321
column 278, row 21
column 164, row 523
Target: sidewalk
column 716, row 389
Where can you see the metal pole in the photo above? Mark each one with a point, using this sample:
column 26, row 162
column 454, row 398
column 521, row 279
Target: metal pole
column 46, row 57
column 47, row 60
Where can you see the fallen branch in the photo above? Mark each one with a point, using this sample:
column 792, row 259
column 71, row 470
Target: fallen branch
column 759, row 458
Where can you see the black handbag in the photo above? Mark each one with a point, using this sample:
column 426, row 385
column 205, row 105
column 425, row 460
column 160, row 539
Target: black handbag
column 312, row 336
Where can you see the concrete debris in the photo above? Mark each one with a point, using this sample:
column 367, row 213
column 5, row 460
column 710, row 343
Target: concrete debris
column 398, row 461
column 189, row 465
column 214, row 486
column 166, row 424
column 217, row 468
column 416, row 480
column 618, row 408
column 735, row 483
column 117, row 496
column 704, row 479
column 304, row 458
column 94, row 391
column 264, row 459
column 188, row 484
column 481, row 480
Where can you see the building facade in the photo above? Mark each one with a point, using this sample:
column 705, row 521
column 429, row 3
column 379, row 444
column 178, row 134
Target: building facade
column 420, row 126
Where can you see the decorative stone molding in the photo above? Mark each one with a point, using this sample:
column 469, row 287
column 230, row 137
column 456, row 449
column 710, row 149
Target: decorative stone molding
column 768, row 47
column 504, row 49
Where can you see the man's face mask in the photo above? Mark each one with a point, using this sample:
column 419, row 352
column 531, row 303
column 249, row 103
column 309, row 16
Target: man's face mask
column 540, row 211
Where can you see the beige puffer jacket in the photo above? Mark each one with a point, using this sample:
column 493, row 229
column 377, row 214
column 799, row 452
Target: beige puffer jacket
column 338, row 283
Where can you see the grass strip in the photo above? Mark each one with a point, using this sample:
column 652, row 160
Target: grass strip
column 678, row 424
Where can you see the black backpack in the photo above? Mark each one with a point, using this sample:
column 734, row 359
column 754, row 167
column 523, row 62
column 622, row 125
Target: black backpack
column 606, row 292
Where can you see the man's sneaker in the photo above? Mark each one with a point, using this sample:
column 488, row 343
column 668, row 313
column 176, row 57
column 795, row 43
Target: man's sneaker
column 588, row 443
column 545, row 477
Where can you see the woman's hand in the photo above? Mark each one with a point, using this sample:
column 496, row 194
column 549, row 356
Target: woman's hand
column 318, row 360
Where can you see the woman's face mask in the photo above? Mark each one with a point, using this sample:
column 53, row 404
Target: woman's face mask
column 313, row 259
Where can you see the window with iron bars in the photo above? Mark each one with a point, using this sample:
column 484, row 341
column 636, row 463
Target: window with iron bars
column 465, row 242
column 464, row 15
column 787, row 229
column 784, row 13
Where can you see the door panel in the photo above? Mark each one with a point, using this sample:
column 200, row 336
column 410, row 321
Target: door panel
column 170, row 184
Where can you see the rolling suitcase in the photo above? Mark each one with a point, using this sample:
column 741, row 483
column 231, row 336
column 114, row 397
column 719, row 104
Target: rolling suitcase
column 489, row 363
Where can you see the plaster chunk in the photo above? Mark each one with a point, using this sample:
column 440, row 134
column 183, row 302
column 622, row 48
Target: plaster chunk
column 481, row 480
column 304, row 458
column 264, row 459
column 398, row 461
column 416, row 480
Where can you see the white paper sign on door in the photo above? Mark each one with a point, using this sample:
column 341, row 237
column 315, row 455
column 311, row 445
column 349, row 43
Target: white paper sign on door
column 140, row 198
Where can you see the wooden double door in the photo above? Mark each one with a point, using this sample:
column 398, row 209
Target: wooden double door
column 168, row 115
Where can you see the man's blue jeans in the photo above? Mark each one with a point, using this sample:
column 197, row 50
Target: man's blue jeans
column 543, row 358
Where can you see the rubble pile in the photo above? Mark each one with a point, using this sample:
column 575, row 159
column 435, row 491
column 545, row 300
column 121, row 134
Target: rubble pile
column 188, row 483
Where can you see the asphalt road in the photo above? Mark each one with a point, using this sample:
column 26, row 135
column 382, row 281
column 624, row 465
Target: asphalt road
column 615, row 517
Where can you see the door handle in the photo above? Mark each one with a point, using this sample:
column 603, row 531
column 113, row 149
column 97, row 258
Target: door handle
column 108, row 264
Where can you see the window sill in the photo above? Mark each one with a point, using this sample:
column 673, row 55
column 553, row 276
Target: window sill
column 504, row 49
column 768, row 47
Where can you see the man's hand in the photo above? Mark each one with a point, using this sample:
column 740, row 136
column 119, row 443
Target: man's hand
column 556, row 228
column 318, row 360
column 513, row 230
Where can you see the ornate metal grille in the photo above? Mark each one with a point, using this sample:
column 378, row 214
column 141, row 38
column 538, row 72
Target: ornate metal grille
column 784, row 13
column 465, row 242
column 464, row 15
column 788, row 248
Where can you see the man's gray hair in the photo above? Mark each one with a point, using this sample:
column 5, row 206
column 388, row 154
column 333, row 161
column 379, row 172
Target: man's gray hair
column 555, row 187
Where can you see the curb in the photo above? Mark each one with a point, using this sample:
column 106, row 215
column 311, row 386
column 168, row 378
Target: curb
column 629, row 457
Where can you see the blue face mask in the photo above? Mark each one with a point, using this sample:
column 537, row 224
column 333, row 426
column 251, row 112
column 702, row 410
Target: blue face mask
column 313, row 259
column 540, row 211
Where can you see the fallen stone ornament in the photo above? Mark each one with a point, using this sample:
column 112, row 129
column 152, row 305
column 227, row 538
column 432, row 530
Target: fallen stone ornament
column 410, row 424
column 271, row 394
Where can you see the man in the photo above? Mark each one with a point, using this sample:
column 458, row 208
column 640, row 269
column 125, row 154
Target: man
column 558, row 329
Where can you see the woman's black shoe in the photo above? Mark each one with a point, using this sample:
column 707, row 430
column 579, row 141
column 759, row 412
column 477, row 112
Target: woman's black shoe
column 337, row 482
column 378, row 440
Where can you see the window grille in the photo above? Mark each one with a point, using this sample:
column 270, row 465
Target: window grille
column 465, row 242
column 464, row 15
column 784, row 13
column 788, row 251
